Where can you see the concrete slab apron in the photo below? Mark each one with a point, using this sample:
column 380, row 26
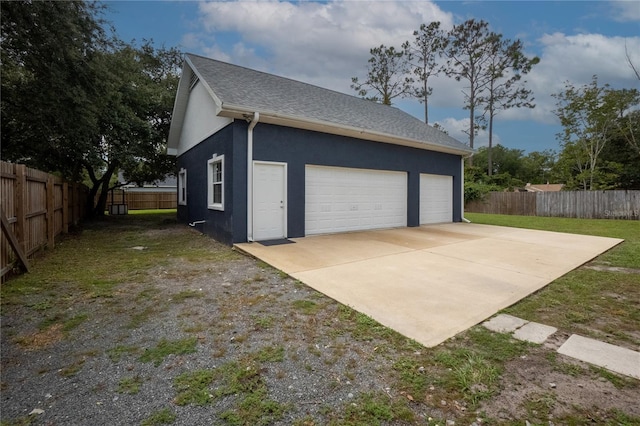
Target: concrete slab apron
column 432, row 282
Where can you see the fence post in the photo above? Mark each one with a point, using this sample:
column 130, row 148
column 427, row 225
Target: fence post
column 19, row 190
column 75, row 204
column 75, row 209
column 65, row 207
column 81, row 201
column 50, row 213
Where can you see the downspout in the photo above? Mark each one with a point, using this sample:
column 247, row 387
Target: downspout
column 252, row 124
column 462, row 159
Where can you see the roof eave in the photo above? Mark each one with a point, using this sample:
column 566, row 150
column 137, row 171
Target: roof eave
column 271, row 117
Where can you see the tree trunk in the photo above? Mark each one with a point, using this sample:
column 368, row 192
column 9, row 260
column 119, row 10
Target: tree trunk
column 593, row 163
column 489, row 161
column 104, row 191
column 91, row 198
column 101, row 205
column 426, row 102
column 472, row 129
column 96, row 209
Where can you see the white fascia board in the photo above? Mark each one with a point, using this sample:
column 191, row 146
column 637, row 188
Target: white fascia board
column 179, row 109
column 271, row 117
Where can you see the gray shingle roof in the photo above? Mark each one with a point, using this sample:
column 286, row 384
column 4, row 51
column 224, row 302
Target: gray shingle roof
column 263, row 92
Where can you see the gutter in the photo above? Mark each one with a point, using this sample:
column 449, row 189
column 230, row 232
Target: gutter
column 255, row 117
column 236, row 111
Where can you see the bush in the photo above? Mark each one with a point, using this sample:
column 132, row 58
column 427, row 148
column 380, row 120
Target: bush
column 478, row 190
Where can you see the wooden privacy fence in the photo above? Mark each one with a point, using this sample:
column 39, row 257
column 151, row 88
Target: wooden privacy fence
column 145, row 200
column 37, row 207
column 516, row 203
column 576, row 204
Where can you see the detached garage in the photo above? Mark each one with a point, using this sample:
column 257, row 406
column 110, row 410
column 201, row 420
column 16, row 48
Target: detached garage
column 262, row 158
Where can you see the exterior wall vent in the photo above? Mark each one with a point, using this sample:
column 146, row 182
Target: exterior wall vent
column 194, row 80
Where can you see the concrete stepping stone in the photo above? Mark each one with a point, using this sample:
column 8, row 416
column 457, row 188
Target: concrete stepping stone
column 614, row 358
column 504, row 323
column 534, row 332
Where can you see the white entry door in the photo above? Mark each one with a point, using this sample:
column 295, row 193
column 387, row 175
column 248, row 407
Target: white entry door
column 269, row 201
column 436, row 199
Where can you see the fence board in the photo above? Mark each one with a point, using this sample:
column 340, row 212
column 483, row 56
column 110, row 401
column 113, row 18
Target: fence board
column 139, row 200
column 19, row 191
column 38, row 207
column 13, row 242
column 574, row 204
column 514, row 203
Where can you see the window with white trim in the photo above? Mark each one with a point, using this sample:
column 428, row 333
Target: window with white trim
column 182, row 187
column 215, row 178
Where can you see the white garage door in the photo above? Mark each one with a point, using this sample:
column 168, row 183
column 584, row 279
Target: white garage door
column 340, row 199
column 436, row 198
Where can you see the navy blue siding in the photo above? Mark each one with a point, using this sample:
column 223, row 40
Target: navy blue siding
column 228, row 226
column 299, row 147
column 240, row 179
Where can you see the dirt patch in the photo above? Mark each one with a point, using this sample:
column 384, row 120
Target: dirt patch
column 41, row 339
column 543, row 386
column 612, row 269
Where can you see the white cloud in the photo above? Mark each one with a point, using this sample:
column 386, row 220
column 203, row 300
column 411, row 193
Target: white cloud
column 320, row 43
column 327, row 43
column 190, row 41
column 576, row 58
column 626, row 11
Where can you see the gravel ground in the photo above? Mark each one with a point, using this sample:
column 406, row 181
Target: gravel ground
column 275, row 351
column 234, row 310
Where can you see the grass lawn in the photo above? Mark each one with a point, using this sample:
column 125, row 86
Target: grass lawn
column 604, row 304
column 154, row 212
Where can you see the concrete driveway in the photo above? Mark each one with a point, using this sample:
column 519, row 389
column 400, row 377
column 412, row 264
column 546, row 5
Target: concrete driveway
column 432, row 282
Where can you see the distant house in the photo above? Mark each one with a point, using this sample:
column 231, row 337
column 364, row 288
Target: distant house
column 168, row 184
column 262, row 157
column 545, row 187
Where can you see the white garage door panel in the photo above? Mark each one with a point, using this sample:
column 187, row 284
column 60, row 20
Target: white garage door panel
column 436, row 198
column 340, row 199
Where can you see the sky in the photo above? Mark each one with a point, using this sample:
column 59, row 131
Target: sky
column 326, row 43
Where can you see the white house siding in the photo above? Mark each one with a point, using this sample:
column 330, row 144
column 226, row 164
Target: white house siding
column 200, row 120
